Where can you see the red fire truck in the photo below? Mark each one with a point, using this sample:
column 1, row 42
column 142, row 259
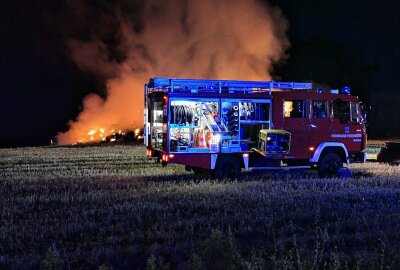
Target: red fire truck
column 224, row 126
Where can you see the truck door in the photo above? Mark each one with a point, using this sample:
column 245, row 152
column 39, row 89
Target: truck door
column 297, row 122
column 347, row 126
column 320, row 122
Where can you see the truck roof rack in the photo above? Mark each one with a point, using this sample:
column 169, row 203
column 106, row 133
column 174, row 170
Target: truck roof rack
column 220, row 86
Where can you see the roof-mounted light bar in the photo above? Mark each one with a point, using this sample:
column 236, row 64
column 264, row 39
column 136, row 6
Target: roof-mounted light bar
column 200, row 85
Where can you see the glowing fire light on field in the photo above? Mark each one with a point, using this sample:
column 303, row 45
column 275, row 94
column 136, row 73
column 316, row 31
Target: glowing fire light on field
column 102, row 135
column 137, row 134
column 130, row 42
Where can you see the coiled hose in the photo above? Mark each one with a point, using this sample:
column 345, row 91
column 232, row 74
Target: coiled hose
column 181, row 114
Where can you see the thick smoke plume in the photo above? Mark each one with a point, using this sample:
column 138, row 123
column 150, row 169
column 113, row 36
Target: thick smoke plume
column 126, row 43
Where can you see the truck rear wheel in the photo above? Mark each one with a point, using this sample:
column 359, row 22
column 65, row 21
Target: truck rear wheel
column 227, row 167
column 329, row 165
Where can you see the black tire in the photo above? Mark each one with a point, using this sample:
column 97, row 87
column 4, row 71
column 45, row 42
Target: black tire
column 329, row 165
column 227, row 167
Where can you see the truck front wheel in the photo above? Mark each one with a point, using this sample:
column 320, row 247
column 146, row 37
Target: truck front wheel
column 227, row 167
column 329, row 165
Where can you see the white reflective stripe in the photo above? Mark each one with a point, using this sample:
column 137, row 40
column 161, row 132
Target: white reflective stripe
column 246, row 161
column 322, row 146
column 213, row 160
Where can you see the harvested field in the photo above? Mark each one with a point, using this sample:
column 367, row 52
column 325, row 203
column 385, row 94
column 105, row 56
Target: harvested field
column 110, row 208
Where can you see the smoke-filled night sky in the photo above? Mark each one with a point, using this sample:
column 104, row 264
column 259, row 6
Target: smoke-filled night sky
column 71, row 66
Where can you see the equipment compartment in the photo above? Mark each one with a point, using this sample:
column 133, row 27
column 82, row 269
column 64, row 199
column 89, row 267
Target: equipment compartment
column 196, row 125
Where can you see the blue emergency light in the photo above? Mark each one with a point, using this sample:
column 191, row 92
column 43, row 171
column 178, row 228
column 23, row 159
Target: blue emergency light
column 334, row 91
column 346, row 90
column 320, row 90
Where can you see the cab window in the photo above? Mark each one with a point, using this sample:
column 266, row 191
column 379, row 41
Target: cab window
column 319, row 109
column 294, row 109
column 341, row 110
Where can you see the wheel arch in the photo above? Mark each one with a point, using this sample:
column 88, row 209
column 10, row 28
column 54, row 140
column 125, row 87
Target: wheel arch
column 330, row 147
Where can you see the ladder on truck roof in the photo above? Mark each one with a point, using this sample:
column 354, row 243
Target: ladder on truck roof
column 220, row 86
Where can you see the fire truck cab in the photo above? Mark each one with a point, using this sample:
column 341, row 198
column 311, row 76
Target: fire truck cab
column 224, row 126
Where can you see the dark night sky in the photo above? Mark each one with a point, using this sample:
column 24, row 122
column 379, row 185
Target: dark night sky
column 41, row 89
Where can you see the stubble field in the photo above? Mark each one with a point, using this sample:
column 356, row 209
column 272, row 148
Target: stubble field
column 109, row 207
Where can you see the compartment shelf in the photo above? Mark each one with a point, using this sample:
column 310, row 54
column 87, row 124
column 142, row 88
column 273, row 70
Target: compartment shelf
column 249, row 122
column 179, row 126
